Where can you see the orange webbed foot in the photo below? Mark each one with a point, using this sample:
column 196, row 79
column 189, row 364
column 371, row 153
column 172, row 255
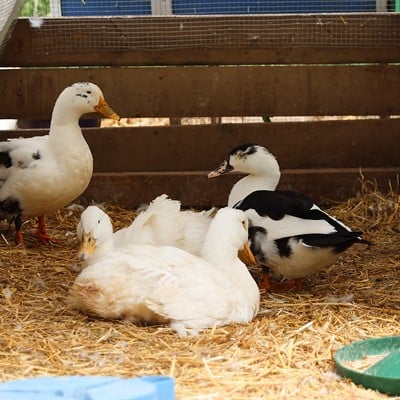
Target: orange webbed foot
column 286, row 286
column 42, row 234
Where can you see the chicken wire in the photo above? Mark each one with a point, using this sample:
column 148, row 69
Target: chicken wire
column 166, row 24
column 199, row 7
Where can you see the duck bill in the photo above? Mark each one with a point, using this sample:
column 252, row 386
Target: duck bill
column 87, row 246
column 246, row 255
column 106, row 110
column 222, row 169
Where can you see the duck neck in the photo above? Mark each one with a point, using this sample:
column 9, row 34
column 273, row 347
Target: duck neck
column 252, row 182
column 263, row 174
column 218, row 253
column 224, row 256
column 64, row 114
column 104, row 247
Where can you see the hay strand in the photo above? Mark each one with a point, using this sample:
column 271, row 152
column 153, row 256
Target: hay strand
column 286, row 352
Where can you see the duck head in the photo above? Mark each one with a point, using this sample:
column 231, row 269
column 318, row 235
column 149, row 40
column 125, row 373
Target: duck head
column 247, row 158
column 95, row 233
column 82, row 98
column 227, row 237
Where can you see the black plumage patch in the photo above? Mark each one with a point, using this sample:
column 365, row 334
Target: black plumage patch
column 277, row 204
column 339, row 241
column 5, row 159
column 10, row 209
column 36, row 155
column 254, row 238
column 244, row 150
column 283, row 247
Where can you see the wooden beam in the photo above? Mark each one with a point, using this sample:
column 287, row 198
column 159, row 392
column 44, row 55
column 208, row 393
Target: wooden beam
column 316, row 144
column 193, row 189
column 212, row 91
column 209, row 40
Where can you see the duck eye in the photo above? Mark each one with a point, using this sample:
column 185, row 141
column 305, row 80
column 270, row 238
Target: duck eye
column 89, row 92
column 98, row 221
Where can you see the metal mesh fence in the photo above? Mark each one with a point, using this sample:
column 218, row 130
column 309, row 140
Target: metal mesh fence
column 198, row 7
column 174, row 24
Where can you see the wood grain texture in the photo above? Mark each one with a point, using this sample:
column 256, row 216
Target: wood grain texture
column 213, row 91
column 193, row 189
column 317, row 144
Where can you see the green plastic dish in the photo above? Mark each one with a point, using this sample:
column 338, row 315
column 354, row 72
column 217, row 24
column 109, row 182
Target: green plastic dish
column 382, row 355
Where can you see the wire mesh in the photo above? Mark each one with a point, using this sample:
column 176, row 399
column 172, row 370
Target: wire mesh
column 175, row 24
column 198, row 7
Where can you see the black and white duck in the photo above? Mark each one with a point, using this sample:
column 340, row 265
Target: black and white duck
column 288, row 232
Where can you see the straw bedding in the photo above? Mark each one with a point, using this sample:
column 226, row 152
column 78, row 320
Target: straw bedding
column 286, row 352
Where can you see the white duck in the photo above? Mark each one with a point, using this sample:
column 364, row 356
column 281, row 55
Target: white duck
column 257, row 162
column 288, row 232
column 161, row 223
column 144, row 283
column 42, row 174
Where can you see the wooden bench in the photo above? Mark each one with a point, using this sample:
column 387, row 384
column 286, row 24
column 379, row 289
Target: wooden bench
column 231, row 75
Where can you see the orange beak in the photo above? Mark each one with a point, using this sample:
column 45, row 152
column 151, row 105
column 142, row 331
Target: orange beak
column 246, row 255
column 86, row 249
column 105, row 109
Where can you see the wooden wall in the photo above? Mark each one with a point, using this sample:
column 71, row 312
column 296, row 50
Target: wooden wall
column 134, row 164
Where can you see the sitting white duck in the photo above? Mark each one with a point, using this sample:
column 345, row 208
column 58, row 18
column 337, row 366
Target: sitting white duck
column 145, row 283
column 42, row 174
column 161, row 223
column 288, row 232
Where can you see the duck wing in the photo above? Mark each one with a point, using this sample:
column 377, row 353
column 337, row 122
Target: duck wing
column 21, row 153
column 157, row 224
column 275, row 204
column 340, row 241
column 291, row 211
column 168, row 281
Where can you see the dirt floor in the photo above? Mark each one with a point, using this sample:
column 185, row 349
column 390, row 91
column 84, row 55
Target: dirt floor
column 285, row 353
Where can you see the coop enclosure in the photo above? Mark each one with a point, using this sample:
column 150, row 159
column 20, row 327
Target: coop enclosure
column 321, row 80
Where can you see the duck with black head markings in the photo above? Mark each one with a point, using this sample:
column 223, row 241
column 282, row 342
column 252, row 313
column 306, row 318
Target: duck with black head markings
column 42, row 174
column 288, row 232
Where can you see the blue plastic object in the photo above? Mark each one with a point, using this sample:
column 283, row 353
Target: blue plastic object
column 204, row 7
column 89, row 388
column 75, row 8
column 271, row 6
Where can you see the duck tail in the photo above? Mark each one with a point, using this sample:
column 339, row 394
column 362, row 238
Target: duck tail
column 364, row 241
column 361, row 240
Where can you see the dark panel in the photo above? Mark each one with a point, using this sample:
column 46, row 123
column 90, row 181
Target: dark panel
column 213, row 91
column 318, row 144
column 195, row 190
column 206, row 40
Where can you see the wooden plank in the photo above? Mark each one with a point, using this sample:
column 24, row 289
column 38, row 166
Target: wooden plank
column 195, row 190
column 213, row 91
column 117, row 41
column 317, row 144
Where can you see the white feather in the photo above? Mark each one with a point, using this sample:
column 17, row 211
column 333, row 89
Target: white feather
column 167, row 284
